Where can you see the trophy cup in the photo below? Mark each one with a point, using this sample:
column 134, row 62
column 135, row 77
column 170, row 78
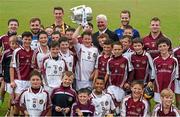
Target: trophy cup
column 81, row 14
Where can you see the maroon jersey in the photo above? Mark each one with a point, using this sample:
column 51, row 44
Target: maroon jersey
column 117, row 69
column 143, row 66
column 158, row 111
column 101, row 65
column 134, row 108
column 177, row 55
column 150, row 44
column 21, row 62
column 166, row 71
column 87, row 109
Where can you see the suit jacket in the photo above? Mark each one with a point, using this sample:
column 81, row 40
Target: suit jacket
column 111, row 34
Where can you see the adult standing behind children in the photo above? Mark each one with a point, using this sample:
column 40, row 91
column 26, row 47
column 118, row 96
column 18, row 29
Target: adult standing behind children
column 125, row 17
column 102, row 25
column 58, row 13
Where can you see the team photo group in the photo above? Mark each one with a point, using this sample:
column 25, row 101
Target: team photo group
column 62, row 70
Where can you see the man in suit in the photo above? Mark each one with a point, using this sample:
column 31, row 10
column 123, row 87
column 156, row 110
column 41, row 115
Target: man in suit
column 102, row 27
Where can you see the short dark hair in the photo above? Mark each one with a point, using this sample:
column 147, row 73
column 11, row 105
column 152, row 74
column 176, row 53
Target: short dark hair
column 137, row 40
column 126, row 36
column 27, row 34
column 155, row 19
column 86, row 33
column 68, row 73
column 139, row 82
column 164, row 40
column 70, row 30
column 103, row 35
column 108, row 42
column 56, row 32
column 54, row 44
column 63, row 39
column 13, row 20
column 100, row 78
column 42, row 32
column 117, row 43
column 90, row 24
column 59, row 8
column 126, row 11
column 128, row 27
column 83, row 90
column 35, row 19
column 35, row 73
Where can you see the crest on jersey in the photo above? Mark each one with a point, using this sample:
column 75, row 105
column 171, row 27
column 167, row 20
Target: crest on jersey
column 137, row 65
column 60, row 68
column 34, row 105
column 143, row 62
column 94, row 55
column 70, row 99
column 138, row 110
column 122, row 65
column 170, row 66
column 41, row 101
column 106, row 103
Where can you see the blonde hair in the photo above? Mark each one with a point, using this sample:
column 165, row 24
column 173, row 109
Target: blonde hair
column 167, row 93
column 13, row 38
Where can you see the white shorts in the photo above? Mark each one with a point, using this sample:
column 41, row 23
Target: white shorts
column 21, row 85
column 157, row 97
column 8, row 88
column 177, row 86
column 117, row 93
column 83, row 84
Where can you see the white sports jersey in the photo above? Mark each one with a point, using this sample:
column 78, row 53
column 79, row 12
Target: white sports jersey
column 38, row 57
column 86, row 61
column 69, row 59
column 103, row 104
column 34, row 103
column 52, row 71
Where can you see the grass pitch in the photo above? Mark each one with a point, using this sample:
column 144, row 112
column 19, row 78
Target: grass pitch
column 141, row 10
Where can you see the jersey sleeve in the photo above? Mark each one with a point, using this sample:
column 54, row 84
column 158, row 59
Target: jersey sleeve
column 34, row 60
column 97, row 62
column 108, row 70
column 123, row 108
column 14, row 61
column 146, row 108
column 112, row 103
column 176, row 69
column 152, row 70
column 77, row 47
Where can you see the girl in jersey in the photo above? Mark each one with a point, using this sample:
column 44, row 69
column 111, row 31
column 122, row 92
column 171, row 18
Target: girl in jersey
column 34, row 101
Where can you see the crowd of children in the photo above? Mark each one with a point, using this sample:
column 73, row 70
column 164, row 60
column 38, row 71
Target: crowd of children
column 58, row 72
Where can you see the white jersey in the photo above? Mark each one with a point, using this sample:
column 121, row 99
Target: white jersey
column 34, row 103
column 69, row 59
column 86, row 61
column 103, row 104
column 52, row 71
column 38, row 57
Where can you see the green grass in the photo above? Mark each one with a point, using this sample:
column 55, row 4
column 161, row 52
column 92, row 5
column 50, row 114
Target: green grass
column 142, row 11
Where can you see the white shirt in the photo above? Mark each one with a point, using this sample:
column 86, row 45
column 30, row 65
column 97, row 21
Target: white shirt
column 103, row 104
column 86, row 61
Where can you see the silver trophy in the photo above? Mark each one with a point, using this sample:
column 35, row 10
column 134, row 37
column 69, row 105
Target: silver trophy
column 81, row 14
